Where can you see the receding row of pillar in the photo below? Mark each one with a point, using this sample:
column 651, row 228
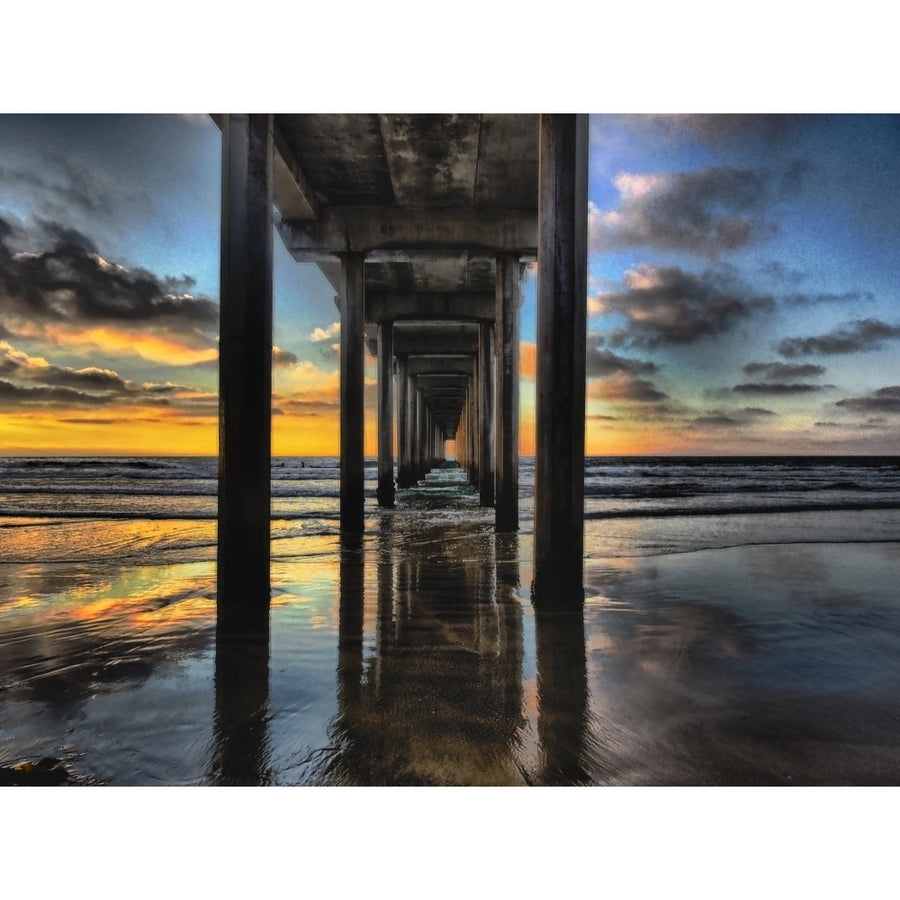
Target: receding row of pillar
column 488, row 432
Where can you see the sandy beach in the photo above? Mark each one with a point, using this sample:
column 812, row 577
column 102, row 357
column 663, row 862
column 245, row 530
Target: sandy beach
column 413, row 656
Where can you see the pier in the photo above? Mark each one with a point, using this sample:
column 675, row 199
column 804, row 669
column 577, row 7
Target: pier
column 423, row 224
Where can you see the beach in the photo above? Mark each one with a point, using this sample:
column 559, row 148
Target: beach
column 741, row 626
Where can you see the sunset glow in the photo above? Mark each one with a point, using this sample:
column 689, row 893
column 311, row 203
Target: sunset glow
column 741, row 291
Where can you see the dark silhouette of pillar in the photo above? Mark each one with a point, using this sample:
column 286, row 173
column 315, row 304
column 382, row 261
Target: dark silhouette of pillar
column 352, row 386
column 563, row 722
column 561, row 339
column 403, row 448
column 506, row 430
column 245, row 362
column 385, row 491
column 241, row 747
column 485, row 417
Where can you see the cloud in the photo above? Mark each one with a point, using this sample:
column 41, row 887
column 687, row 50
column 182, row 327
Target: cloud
column 706, row 212
column 65, row 292
column 860, row 336
column 850, row 297
column 30, row 380
column 884, row 400
column 731, row 418
column 61, row 185
column 781, row 371
column 720, row 130
column 320, row 335
column 602, row 363
column 623, row 387
column 282, row 359
column 666, row 305
column 775, row 388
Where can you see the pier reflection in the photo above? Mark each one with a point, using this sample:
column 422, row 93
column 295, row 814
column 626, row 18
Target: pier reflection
column 431, row 686
column 241, row 748
column 439, row 701
column 563, row 698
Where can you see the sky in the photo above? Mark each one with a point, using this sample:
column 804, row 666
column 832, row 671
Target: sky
column 742, row 290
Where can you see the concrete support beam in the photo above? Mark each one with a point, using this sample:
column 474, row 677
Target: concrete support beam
column 385, row 493
column 352, row 399
column 506, row 431
column 435, row 338
column 404, row 473
column 430, row 305
column 245, row 365
column 370, row 229
column 561, row 339
column 486, row 417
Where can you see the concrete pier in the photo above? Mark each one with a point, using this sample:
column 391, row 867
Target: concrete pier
column 385, row 494
column 245, row 364
column 485, row 416
column 422, row 224
column 561, row 352
column 506, row 431
column 352, row 399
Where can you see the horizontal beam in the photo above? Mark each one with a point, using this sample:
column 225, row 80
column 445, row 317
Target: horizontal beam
column 443, row 365
column 294, row 197
column 430, row 305
column 436, row 339
column 368, row 229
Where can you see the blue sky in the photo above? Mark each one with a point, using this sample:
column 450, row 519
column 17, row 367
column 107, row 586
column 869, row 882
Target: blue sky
column 742, row 288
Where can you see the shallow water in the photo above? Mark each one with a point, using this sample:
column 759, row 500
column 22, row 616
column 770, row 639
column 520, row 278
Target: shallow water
column 742, row 650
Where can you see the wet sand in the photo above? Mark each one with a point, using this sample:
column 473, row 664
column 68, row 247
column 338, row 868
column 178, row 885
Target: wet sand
column 414, row 657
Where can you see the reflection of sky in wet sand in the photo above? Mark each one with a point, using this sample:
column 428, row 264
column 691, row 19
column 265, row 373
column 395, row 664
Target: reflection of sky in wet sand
column 415, row 657
column 770, row 664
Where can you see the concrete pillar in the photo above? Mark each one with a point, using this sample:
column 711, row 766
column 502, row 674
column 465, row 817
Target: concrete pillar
column 385, row 491
column 352, row 398
column 506, row 430
column 485, row 417
column 561, row 339
column 245, row 364
column 403, row 463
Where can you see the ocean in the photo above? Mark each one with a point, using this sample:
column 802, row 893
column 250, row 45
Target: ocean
column 741, row 626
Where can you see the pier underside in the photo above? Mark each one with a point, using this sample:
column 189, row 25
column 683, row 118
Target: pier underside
column 424, row 225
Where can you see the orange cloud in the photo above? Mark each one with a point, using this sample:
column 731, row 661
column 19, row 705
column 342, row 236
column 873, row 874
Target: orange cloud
column 170, row 349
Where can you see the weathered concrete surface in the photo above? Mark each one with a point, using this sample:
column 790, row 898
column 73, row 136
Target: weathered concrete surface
column 245, row 363
column 352, row 399
column 561, row 342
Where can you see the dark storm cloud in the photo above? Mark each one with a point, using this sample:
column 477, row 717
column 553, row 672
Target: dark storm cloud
column 775, row 388
column 860, row 336
column 707, row 212
column 666, row 305
column 66, row 281
column 885, row 400
column 602, row 363
column 781, row 371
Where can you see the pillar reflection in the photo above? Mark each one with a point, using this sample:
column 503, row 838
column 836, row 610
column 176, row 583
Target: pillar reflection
column 440, row 700
column 563, row 721
column 241, row 751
